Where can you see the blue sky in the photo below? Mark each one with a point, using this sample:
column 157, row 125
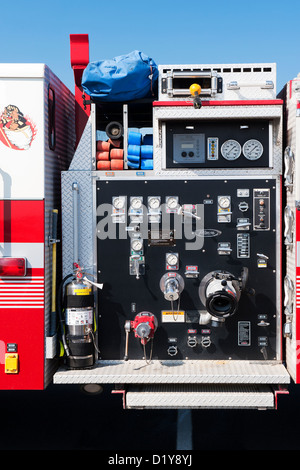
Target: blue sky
column 169, row 31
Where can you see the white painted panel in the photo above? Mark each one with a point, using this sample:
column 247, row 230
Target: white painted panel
column 21, row 138
column 33, row 252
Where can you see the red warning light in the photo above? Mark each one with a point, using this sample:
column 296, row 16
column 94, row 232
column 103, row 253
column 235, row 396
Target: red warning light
column 12, row 267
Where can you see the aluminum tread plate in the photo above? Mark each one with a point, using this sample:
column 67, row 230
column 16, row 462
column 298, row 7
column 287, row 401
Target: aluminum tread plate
column 200, row 396
column 177, row 372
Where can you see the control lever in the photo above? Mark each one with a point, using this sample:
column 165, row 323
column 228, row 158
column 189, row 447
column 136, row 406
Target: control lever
column 127, row 327
column 181, row 211
column 96, row 284
column 242, row 280
column 243, row 224
column 261, row 255
column 136, row 265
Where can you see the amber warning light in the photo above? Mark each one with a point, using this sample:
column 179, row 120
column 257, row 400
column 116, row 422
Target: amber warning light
column 12, row 267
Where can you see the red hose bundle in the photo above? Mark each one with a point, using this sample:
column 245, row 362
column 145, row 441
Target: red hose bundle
column 116, row 154
column 116, row 164
column 109, row 158
column 102, row 156
column 103, row 165
column 103, row 146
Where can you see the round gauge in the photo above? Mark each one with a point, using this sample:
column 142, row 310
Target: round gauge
column 136, row 244
column 154, row 202
column 253, row 149
column 172, row 259
column 231, row 149
column 118, row 202
column 136, row 203
column 224, row 202
column 172, row 202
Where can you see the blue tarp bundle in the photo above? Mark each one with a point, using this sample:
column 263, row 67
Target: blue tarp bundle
column 125, row 78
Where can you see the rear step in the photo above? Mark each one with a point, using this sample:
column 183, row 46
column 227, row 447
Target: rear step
column 194, row 396
column 187, row 384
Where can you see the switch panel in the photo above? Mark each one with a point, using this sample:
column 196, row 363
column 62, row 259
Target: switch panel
column 243, row 245
column 261, row 209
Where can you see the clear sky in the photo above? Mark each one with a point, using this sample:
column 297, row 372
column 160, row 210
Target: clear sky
column 169, row 31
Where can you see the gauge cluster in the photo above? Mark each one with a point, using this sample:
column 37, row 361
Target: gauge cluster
column 218, row 144
column 252, row 149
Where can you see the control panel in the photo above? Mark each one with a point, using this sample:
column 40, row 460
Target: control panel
column 219, row 144
column 197, row 260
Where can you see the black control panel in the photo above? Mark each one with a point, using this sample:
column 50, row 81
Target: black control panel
column 218, row 144
column 218, row 254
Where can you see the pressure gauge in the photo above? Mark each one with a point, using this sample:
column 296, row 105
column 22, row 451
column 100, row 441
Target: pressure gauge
column 172, row 259
column 231, row 149
column 136, row 244
column 253, row 149
column 118, row 202
column 172, row 202
column 154, row 202
column 224, row 202
column 136, row 202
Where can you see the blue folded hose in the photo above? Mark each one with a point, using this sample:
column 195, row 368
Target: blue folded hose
column 147, row 152
column 134, row 150
column 148, row 139
column 133, row 165
column 147, row 164
column 134, row 138
column 140, row 151
column 133, row 158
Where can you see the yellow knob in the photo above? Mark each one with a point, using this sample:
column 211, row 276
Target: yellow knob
column 195, row 89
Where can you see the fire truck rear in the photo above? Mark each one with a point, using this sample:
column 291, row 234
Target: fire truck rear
column 148, row 250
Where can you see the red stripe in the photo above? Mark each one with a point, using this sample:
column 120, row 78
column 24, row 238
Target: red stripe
column 25, row 327
column 220, row 103
column 22, row 221
column 25, row 291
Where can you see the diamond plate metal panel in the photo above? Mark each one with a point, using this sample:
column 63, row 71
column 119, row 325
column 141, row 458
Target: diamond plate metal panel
column 177, row 372
column 82, row 159
column 199, row 396
column 162, row 114
column 217, row 112
column 86, row 220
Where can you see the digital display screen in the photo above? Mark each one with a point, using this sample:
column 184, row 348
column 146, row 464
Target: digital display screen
column 188, row 148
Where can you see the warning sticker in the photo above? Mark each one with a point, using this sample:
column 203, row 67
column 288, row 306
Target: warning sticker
column 172, row 316
column 244, row 333
column 79, row 316
column 82, row 291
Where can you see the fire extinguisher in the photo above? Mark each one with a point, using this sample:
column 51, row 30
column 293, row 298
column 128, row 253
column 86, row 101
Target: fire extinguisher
column 78, row 322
